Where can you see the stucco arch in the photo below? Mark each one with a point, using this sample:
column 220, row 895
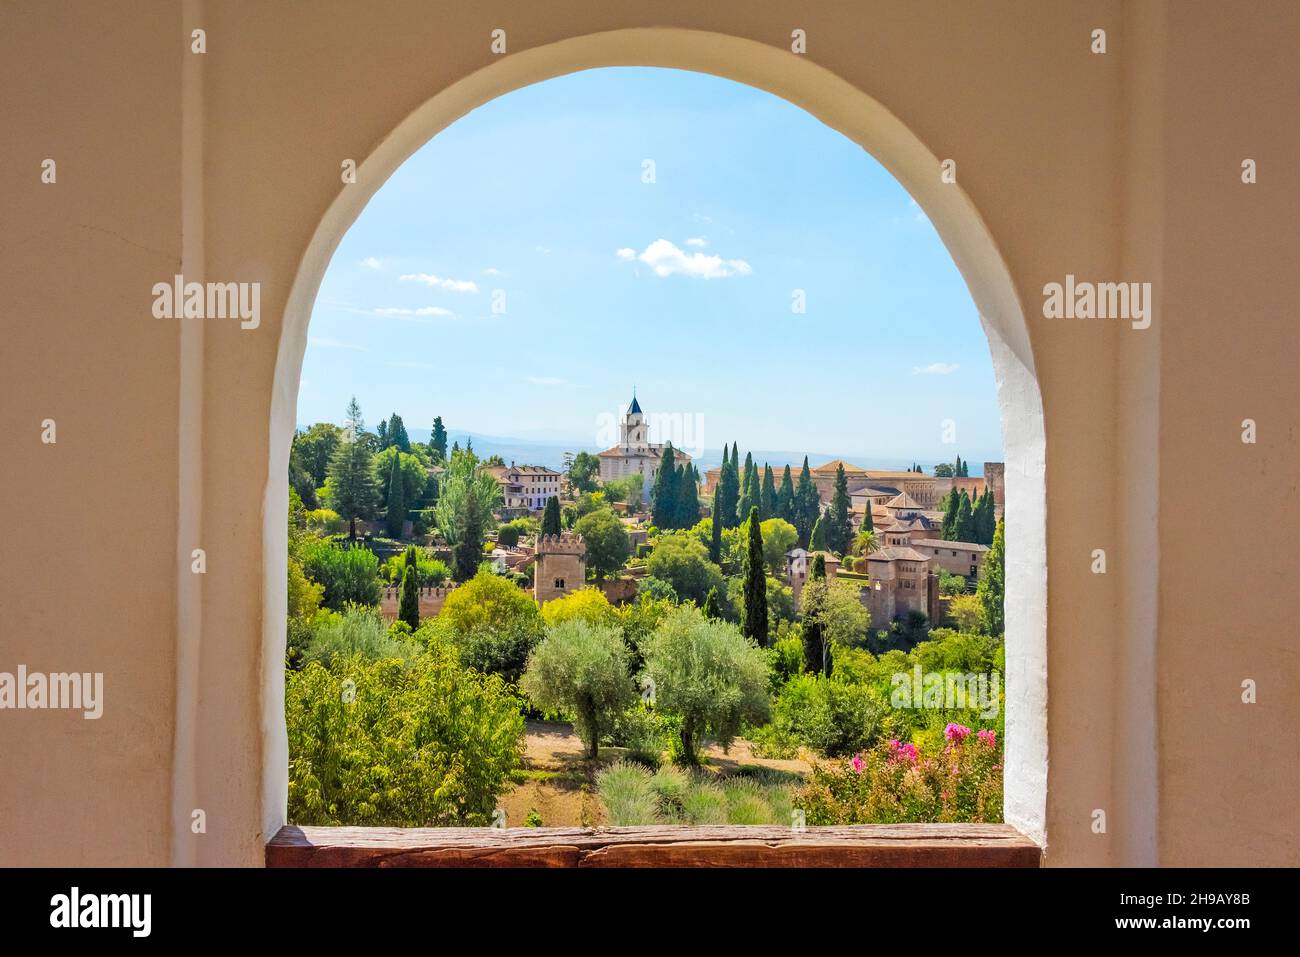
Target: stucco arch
column 862, row 119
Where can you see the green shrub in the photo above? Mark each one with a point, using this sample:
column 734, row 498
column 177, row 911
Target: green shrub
column 350, row 575
column 642, row 732
column 633, row 795
column 627, row 795
column 423, row 743
column 358, row 631
column 829, row 715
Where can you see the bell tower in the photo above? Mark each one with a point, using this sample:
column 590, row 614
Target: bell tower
column 634, row 431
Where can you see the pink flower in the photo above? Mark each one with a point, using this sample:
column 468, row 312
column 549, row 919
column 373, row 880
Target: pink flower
column 956, row 732
column 902, row 752
column 988, row 737
column 856, row 761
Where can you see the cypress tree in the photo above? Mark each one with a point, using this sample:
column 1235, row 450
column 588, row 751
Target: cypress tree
column 438, row 440
column 663, row 495
column 840, row 531
column 868, row 524
column 817, row 540
column 397, row 433
column 813, row 646
column 993, row 582
column 727, row 494
column 396, row 515
column 409, row 609
column 949, row 527
column 715, row 543
column 468, row 552
column 410, row 558
column 688, row 497
column 964, row 525
column 767, row 497
column 551, row 517
column 785, row 497
column 749, row 495
column 755, row 618
column 711, row 609
column 807, row 505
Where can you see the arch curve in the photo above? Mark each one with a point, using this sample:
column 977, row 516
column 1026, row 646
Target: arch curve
column 864, row 120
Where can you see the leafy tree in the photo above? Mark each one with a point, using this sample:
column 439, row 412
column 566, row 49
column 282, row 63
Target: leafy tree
column 712, row 607
column 779, row 536
column 351, row 486
column 584, row 471
column 493, row 622
column 708, row 675
column 943, row 470
column 625, row 489
column 438, row 441
column 582, row 670
column 687, row 512
column 551, row 517
column 817, row 540
column 807, row 505
column 785, row 498
column 606, row 539
column 663, row 494
column 350, row 575
column 414, row 470
column 315, row 449
column 754, row 618
column 586, row 604
column 966, row 613
column 992, row 585
column 681, row 560
column 767, row 495
column 727, row 495
column 419, row 743
column 409, row 609
column 839, row 531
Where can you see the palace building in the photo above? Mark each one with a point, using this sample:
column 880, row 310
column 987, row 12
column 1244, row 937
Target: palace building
column 635, row 454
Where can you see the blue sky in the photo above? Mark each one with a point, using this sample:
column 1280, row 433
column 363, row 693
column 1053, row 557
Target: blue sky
column 681, row 287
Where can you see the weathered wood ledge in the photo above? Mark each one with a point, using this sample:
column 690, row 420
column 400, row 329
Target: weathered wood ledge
column 869, row 845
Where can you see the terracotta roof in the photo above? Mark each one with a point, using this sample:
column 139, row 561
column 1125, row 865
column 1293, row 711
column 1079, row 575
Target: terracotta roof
column 941, row 543
column 894, row 553
column 902, row 500
column 834, row 464
column 874, row 490
column 649, row 452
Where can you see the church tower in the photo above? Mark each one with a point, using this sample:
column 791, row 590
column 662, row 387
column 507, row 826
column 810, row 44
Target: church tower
column 633, row 431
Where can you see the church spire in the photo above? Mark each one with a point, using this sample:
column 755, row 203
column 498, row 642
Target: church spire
column 635, row 407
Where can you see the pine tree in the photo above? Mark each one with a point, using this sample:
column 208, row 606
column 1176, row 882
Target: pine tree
column 767, row 497
column 785, row 497
column 396, row 515
column 711, row 609
column 807, row 505
column 551, row 517
column 727, row 494
column 817, row 540
column 351, row 473
column 749, row 494
column 438, row 440
column 964, row 525
column 409, row 609
column 663, row 495
column 840, row 531
column 754, row 624
column 814, row 651
column 687, row 511
column 992, row 583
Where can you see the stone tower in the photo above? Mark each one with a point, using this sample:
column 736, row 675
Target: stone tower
column 633, row 431
column 561, row 566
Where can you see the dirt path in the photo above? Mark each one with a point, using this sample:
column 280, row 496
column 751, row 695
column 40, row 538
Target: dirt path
column 559, row 783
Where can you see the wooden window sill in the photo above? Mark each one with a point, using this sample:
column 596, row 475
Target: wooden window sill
column 871, row 845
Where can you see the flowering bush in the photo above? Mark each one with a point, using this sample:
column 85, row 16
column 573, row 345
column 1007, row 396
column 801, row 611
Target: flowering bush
column 896, row 782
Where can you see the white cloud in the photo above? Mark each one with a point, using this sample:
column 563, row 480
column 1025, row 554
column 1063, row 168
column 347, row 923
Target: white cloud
column 398, row 313
column 492, row 271
column 439, row 282
column 324, row 343
column 935, row 368
column 697, row 241
column 370, row 262
column 666, row 259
